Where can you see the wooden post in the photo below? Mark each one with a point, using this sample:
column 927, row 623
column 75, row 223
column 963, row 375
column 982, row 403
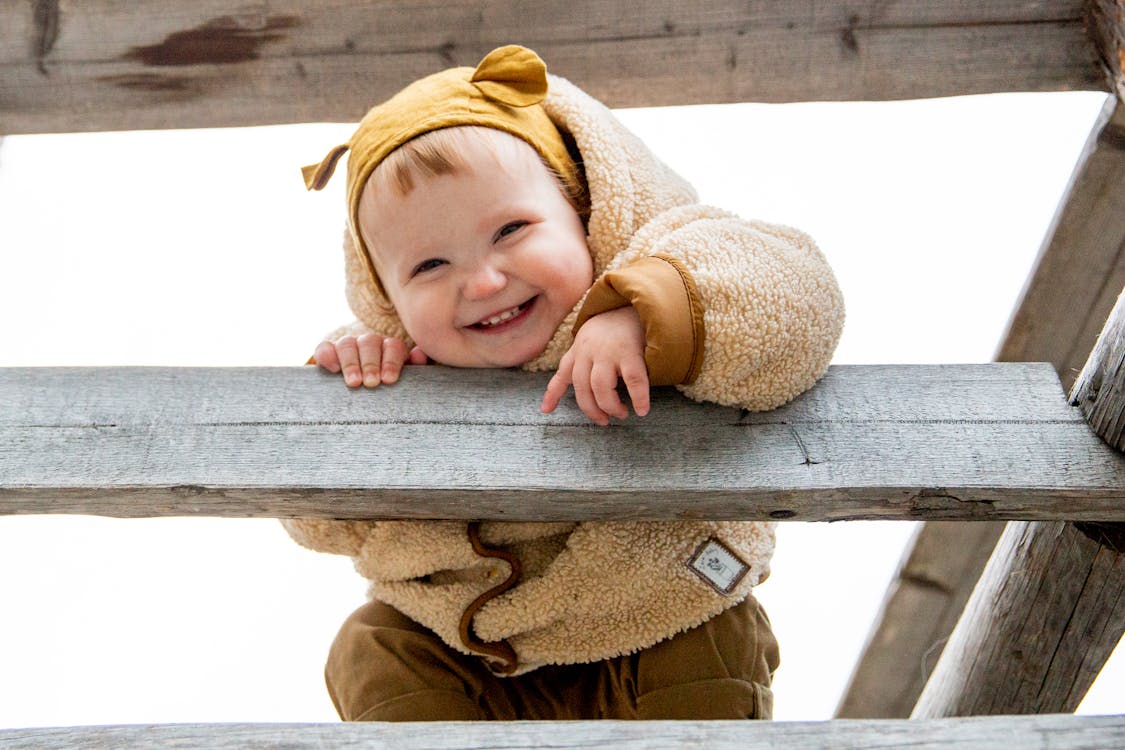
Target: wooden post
column 1064, row 304
column 1050, row 607
column 1071, row 290
column 1106, row 25
column 935, row 579
column 1099, row 390
column 1045, row 617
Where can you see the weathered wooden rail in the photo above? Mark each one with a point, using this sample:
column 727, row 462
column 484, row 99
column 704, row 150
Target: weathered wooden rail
column 965, row 443
column 1047, row 732
column 1050, row 605
column 108, row 65
column 1080, row 269
column 979, row 442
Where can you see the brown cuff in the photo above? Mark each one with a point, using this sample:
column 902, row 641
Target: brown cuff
column 663, row 293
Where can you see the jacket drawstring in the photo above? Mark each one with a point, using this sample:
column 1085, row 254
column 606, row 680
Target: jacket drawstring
column 502, row 651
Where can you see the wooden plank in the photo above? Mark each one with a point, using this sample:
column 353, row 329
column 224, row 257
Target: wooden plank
column 1038, row 628
column 113, row 65
column 1081, row 266
column 980, row 442
column 987, row 733
column 1107, row 28
column 1050, row 607
column 1100, row 388
column 1069, row 293
column 923, row 603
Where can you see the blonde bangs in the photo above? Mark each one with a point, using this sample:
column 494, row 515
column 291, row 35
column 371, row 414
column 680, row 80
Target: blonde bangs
column 431, row 154
column 440, row 152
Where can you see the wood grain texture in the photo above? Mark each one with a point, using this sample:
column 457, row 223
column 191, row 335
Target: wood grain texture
column 1107, row 28
column 1040, row 625
column 1100, row 389
column 940, row 567
column 1069, row 293
column 114, row 65
column 1081, row 266
column 980, row 442
column 988, row 733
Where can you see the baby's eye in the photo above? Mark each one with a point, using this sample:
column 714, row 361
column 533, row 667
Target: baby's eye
column 426, row 265
column 509, row 228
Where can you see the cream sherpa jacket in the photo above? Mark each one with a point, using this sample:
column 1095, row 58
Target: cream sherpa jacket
column 767, row 315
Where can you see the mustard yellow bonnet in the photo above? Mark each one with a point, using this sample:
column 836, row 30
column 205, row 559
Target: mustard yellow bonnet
column 503, row 92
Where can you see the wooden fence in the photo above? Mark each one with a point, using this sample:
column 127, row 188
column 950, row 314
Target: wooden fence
column 894, row 442
column 968, row 442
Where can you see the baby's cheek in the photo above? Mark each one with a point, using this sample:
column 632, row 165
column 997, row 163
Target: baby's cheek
column 570, row 274
column 417, row 326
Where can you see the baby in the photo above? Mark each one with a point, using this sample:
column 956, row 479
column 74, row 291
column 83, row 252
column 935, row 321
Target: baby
column 482, row 267
column 494, row 224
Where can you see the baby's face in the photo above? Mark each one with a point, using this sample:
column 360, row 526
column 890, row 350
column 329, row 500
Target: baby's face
column 482, row 265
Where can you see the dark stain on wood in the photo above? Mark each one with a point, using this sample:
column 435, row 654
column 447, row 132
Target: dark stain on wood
column 1112, row 137
column 1109, row 535
column 445, row 51
column 937, row 499
column 223, row 40
column 46, row 21
column 847, row 36
column 173, row 87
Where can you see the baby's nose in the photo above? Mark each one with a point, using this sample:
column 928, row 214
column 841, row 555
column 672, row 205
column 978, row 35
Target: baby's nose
column 484, row 282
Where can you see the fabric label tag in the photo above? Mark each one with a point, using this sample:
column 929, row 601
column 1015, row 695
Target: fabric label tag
column 716, row 564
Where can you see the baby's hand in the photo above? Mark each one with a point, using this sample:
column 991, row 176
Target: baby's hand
column 608, row 345
column 368, row 360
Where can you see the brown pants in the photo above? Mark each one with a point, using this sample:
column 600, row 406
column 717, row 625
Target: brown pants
column 385, row 667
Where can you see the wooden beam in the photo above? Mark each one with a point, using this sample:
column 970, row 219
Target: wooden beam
column 1069, row 293
column 986, row 733
column 941, row 565
column 108, row 65
column 1050, row 607
column 1100, row 388
column 1081, row 267
column 1107, row 28
column 1047, row 613
column 981, row 442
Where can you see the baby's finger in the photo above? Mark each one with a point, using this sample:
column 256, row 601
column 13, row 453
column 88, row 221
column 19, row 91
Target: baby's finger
column 603, row 384
column 635, row 376
column 326, row 357
column 418, row 357
column 585, row 396
column 556, row 387
column 348, row 352
column 370, row 358
column 394, row 356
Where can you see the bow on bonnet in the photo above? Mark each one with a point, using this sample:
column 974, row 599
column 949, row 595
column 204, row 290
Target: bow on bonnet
column 503, row 92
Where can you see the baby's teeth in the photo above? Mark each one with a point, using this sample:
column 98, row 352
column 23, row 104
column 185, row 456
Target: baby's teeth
column 501, row 317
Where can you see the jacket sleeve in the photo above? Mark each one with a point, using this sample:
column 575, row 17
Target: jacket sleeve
column 325, row 535
column 757, row 302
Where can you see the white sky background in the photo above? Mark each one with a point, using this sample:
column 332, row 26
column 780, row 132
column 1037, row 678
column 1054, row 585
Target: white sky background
column 203, row 248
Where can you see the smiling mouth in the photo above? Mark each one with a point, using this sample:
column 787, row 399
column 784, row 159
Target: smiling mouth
column 504, row 319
